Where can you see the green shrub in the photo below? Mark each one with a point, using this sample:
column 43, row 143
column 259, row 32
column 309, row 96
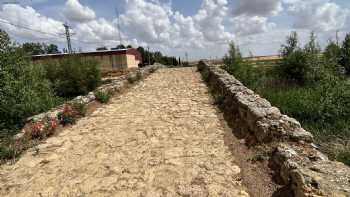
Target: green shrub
column 24, row 90
column 8, row 152
column 73, row 76
column 313, row 92
column 205, row 75
column 131, row 79
column 344, row 157
column 71, row 112
column 79, row 108
column 138, row 76
column 134, row 78
column 43, row 128
column 345, row 54
column 68, row 116
column 233, row 60
column 102, row 97
column 152, row 70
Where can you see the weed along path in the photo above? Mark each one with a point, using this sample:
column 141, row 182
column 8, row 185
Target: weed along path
column 164, row 137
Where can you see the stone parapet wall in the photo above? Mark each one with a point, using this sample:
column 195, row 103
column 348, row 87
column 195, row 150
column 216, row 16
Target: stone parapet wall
column 292, row 153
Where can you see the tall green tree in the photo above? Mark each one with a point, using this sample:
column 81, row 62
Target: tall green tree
column 32, row 48
column 233, row 60
column 101, row 49
column 313, row 69
column 332, row 58
column 292, row 44
column 24, row 89
column 293, row 65
column 332, row 52
column 121, row 46
column 345, row 54
column 51, row 49
column 4, row 40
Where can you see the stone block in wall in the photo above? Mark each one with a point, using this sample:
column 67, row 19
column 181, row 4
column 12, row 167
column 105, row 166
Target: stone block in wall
column 297, row 161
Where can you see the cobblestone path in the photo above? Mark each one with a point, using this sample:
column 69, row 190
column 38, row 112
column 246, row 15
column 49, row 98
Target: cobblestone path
column 161, row 138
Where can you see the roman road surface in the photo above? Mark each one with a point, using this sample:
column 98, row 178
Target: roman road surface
column 161, row 138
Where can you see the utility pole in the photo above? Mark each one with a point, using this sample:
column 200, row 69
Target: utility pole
column 66, row 26
column 118, row 26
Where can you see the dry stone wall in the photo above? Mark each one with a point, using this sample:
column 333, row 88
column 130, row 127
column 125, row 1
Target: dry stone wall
column 114, row 85
column 292, row 153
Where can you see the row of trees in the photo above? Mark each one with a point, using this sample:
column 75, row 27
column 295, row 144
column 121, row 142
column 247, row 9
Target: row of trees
column 33, row 48
column 305, row 64
column 149, row 57
column 308, row 64
column 152, row 57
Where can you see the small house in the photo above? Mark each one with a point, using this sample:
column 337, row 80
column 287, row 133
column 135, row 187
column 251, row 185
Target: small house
column 110, row 60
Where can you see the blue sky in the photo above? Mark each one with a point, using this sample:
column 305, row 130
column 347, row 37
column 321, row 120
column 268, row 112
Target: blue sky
column 203, row 28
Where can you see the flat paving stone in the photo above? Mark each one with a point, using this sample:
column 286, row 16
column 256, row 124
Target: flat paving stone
column 161, row 138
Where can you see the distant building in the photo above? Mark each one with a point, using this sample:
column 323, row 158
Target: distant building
column 109, row 59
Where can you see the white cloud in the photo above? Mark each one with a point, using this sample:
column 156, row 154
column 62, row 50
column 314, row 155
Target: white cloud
column 75, row 12
column 28, row 17
column 90, row 34
column 247, row 25
column 210, row 21
column 258, row 7
column 147, row 21
column 254, row 24
column 99, row 29
column 318, row 15
column 156, row 24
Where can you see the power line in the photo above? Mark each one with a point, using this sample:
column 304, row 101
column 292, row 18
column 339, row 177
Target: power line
column 30, row 29
column 51, row 34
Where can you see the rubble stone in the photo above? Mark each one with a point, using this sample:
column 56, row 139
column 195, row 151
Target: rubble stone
column 297, row 160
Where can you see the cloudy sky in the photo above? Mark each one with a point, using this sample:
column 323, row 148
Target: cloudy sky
column 202, row 28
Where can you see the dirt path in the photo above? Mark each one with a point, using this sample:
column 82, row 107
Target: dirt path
column 162, row 138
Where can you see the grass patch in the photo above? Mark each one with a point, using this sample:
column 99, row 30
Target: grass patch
column 323, row 108
column 102, row 97
column 344, row 157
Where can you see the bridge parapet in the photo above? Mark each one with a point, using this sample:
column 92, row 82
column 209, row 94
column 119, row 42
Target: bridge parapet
column 291, row 151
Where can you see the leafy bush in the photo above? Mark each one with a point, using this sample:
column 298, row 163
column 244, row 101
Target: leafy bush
column 8, row 152
column 79, row 108
column 73, row 76
column 233, row 60
column 67, row 116
column 315, row 93
column 43, row 129
column 332, row 52
column 138, row 76
column 71, row 112
column 24, row 90
column 134, row 78
column 344, row 157
column 301, row 65
column 345, row 54
column 152, row 70
column 102, row 97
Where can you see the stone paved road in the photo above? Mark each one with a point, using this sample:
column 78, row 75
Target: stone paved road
column 162, row 138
